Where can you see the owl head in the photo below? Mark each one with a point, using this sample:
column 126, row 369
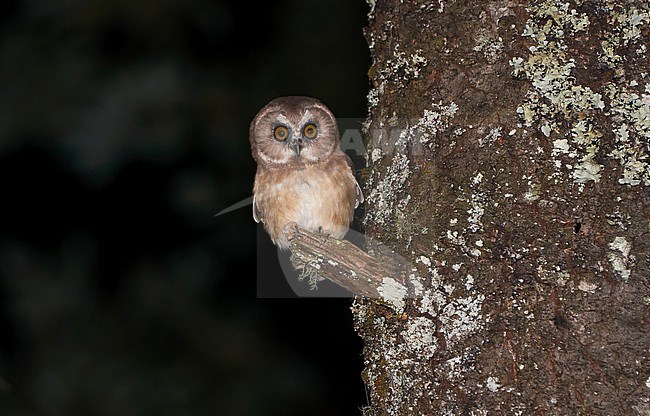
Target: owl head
column 293, row 131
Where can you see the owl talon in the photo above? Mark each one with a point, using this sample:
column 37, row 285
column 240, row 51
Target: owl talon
column 323, row 235
column 291, row 229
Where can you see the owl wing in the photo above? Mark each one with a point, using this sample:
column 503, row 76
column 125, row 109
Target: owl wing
column 356, row 184
column 257, row 214
column 359, row 194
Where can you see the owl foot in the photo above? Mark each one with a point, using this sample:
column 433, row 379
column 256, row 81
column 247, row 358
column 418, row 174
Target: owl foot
column 291, row 229
column 323, row 235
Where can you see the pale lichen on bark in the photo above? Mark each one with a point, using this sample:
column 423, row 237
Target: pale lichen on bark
column 557, row 98
column 518, row 222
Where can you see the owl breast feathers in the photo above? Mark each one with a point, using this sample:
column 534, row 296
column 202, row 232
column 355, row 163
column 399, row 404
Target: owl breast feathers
column 303, row 177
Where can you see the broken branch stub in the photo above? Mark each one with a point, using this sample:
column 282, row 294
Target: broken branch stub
column 346, row 264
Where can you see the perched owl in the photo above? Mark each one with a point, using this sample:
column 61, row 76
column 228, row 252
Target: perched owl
column 303, row 176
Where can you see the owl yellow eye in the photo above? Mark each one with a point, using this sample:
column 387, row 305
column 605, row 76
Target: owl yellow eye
column 310, row 131
column 280, row 133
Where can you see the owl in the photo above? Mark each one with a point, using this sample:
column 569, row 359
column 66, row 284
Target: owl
column 303, row 177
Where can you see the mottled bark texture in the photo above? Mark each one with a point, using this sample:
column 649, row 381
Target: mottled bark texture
column 508, row 162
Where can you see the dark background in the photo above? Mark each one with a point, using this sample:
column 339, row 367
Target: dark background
column 123, row 130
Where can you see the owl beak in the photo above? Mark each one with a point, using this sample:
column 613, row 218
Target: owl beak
column 296, row 145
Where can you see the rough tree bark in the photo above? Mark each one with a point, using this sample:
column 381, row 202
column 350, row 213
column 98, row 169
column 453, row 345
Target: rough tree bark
column 508, row 162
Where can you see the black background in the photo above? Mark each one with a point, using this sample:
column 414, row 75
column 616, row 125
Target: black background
column 123, row 130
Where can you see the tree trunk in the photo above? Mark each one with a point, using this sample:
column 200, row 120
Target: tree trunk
column 508, row 162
